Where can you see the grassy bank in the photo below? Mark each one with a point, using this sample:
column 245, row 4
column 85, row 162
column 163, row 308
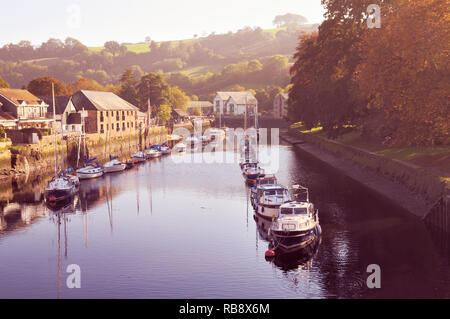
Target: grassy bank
column 424, row 171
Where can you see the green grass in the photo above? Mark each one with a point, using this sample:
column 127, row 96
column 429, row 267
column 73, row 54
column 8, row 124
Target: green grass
column 436, row 158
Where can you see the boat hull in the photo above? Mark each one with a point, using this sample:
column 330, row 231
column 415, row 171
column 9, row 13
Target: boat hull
column 89, row 174
column 294, row 240
column 268, row 212
column 57, row 195
column 114, row 168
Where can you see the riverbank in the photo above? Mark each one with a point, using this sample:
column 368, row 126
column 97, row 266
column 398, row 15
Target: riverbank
column 408, row 186
column 34, row 160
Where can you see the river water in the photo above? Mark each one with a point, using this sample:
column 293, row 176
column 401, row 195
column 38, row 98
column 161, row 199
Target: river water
column 167, row 229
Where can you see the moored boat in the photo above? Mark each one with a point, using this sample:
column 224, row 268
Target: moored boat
column 153, row 152
column 297, row 224
column 59, row 188
column 268, row 200
column 114, row 165
column 91, row 170
column 139, row 157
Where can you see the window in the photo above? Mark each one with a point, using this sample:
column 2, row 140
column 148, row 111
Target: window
column 107, row 127
column 101, row 129
column 128, row 124
column 117, row 127
column 123, row 126
column 101, row 117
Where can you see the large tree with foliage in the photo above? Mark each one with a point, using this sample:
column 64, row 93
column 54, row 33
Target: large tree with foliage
column 3, row 84
column 42, row 86
column 127, row 89
column 404, row 73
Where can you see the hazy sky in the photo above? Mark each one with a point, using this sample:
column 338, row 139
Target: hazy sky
column 96, row 21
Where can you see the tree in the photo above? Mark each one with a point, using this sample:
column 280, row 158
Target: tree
column 3, row 84
column 43, row 87
column 197, row 111
column 164, row 113
column 289, row 19
column 403, row 73
column 177, row 98
column 152, row 86
column 85, row 84
column 112, row 47
column 128, row 84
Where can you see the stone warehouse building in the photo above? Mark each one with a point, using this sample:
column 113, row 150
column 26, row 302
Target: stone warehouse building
column 106, row 113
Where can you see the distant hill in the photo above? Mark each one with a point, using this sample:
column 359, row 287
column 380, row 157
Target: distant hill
column 193, row 58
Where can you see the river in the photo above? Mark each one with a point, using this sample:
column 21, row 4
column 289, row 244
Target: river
column 186, row 230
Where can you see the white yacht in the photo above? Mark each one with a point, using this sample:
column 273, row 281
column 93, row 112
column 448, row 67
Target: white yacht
column 268, row 179
column 114, row 165
column 91, row 170
column 180, row 148
column 139, row 157
column 59, row 188
column 269, row 198
column 296, row 226
column 154, row 151
column 165, row 149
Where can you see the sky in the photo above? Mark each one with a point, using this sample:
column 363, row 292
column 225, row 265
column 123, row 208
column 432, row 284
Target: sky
column 94, row 22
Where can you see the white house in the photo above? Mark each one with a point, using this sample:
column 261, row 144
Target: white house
column 235, row 103
column 280, row 105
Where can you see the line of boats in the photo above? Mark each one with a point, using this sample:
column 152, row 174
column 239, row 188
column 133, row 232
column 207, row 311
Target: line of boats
column 64, row 185
column 294, row 219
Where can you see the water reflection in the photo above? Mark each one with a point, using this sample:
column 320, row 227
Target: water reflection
column 167, row 230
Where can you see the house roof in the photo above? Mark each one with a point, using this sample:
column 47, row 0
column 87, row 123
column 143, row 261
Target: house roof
column 17, row 97
column 61, row 103
column 6, row 116
column 181, row 112
column 100, row 101
column 245, row 97
column 193, row 104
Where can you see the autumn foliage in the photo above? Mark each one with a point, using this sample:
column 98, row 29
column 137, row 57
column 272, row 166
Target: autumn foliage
column 392, row 82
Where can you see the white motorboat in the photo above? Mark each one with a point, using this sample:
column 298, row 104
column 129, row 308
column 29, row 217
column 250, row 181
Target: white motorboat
column 269, row 198
column 165, row 149
column 268, row 179
column 114, row 165
column 180, row 148
column 93, row 170
column 154, row 151
column 296, row 226
column 251, row 172
column 139, row 157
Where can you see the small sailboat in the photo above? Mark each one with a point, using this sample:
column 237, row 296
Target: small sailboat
column 91, row 169
column 180, row 148
column 297, row 224
column 165, row 149
column 139, row 157
column 251, row 172
column 154, row 151
column 60, row 187
column 114, row 165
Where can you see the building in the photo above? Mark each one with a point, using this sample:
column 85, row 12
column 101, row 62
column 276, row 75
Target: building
column 206, row 107
column 27, row 109
column 280, row 105
column 235, row 103
column 106, row 113
column 179, row 115
column 65, row 112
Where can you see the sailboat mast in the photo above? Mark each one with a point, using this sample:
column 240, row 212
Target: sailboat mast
column 54, row 127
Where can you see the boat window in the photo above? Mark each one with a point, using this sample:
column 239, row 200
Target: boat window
column 301, row 211
column 286, row 211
